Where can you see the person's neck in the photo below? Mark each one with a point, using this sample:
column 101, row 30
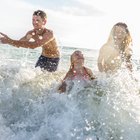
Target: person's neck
column 39, row 31
column 78, row 67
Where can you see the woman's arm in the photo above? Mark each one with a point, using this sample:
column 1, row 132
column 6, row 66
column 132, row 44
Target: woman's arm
column 128, row 55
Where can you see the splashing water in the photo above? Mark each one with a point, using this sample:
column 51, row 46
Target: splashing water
column 107, row 108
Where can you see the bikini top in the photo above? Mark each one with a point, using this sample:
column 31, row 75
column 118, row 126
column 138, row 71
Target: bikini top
column 85, row 75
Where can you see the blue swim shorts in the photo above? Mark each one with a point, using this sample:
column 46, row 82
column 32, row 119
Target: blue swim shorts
column 49, row 64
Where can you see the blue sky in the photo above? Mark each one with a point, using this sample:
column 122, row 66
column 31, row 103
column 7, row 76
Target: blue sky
column 60, row 4
column 76, row 23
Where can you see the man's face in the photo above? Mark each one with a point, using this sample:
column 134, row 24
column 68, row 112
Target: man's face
column 38, row 22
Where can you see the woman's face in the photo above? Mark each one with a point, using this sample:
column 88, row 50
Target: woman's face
column 119, row 33
column 77, row 57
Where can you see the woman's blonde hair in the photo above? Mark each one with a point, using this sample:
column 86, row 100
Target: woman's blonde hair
column 127, row 41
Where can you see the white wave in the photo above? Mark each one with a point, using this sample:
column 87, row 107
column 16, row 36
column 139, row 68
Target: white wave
column 107, row 108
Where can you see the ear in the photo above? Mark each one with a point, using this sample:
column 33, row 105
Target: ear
column 44, row 21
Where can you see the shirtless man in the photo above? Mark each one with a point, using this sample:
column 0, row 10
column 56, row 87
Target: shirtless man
column 38, row 37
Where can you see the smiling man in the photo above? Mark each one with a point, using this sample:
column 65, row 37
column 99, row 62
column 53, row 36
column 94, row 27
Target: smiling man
column 39, row 37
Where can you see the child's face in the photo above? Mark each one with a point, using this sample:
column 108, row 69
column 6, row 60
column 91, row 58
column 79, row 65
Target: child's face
column 38, row 22
column 77, row 57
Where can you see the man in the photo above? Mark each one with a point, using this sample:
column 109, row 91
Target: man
column 38, row 37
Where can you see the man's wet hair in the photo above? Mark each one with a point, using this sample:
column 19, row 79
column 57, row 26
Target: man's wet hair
column 40, row 13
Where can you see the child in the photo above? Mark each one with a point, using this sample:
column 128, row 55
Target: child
column 77, row 70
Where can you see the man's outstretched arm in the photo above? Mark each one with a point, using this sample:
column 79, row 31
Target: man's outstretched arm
column 46, row 38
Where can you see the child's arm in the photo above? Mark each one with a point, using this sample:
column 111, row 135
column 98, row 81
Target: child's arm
column 62, row 87
column 89, row 71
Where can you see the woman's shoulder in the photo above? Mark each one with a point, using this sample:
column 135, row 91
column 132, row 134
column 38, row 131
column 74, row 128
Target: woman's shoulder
column 103, row 47
column 106, row 46
column 107, row 49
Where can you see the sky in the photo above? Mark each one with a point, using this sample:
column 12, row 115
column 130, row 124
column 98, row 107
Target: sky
column 76, row 23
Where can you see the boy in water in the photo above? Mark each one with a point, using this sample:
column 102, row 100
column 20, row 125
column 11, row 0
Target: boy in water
column 38, row 37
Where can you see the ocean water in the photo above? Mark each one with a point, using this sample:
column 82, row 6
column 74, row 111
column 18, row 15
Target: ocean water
column 31, row 108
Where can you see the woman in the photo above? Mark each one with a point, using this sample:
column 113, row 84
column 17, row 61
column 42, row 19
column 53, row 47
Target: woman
column 117, row 50
column 77, row 70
